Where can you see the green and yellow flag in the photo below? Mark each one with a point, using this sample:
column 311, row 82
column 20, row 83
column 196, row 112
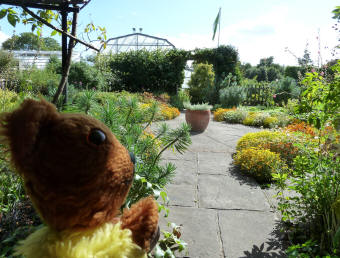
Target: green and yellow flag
column 216, row 23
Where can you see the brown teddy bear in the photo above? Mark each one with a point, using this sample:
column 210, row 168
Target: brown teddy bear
column 77, row 175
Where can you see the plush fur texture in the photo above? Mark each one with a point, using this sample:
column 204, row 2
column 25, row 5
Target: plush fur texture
column 108, row 240
column 74, row 184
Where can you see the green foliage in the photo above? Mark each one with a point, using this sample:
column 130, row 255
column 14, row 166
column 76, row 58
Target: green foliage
column 236, row 116
column 295, row 72
column 316, row 176
column 7, row 62
column 203, row 106
column 179, row 99
column 270, row 122
column 232, row 96
column 277, row 142
column 255, row 118
column 151, row 71
column 170, row 243
column 85, row 76
column 224, row 59
column 285, row 89
column 201, row 83
column 315, row 180
column 8, row 100
column 320, row 100
column 266, row 70
column 259, row 163
column 37, row 81
column 258, row 93
column 30, row 41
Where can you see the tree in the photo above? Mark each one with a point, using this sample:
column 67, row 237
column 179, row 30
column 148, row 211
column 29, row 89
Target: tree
column 30, row 41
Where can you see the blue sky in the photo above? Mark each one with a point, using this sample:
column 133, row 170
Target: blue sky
column 258, row 29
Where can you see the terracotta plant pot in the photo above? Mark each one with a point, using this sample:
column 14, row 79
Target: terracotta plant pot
column 197, row 119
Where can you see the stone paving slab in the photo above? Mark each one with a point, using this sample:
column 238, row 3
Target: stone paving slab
column 170, row 155
column 182, row 196
column 186, row 172
column 214, row 162
column 200, row 231
column 223, row 192
column 249, row 234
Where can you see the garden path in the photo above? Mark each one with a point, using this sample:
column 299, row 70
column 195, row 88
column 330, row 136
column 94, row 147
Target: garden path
column 223, row 213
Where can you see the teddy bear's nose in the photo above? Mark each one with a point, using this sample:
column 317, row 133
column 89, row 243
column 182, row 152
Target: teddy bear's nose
column 132, row 157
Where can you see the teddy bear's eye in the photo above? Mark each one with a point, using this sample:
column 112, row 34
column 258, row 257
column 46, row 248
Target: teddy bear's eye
column 97, row 137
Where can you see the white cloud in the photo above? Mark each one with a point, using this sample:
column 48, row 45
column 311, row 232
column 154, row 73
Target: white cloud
column 3, row 37
column 267, row 35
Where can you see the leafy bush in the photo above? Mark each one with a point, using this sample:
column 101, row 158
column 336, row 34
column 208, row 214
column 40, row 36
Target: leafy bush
column 315, row 183
column 8, row 100
column 224, row 59
column 181, row 97
column 220, row 113
column 151, row 71
column 85, row 76
column 277, row 142
column 258, row 93
column 37, row 81
column 295, row 72
column 236, row 116
column 258, row 163
column 301, row 127
column 201, row 83
column 232, row 96
column 255, row 118
column 7, row 62
column 169, row 112
column 286, row 88
column 270, row 122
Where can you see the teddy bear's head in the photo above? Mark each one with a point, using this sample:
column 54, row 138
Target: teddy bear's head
column 75, row 171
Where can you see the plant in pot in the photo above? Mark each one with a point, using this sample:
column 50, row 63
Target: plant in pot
column 197, row 116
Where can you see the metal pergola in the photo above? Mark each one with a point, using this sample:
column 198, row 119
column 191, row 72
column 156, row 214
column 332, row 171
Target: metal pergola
column 57, row 5
column 137, row 41
column 68, row 39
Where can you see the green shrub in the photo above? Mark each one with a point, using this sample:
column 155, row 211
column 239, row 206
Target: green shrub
column 232, row 96
column 224, row 59
column 285, row 89
column 37, row 81
column 270, row 122
column 255, row 118
column 181, row 97
column 258, row 93
column 201, row 83
column 151, row 71
column 258, row 163
column 8, row 100
column 256, row 139
column 84, row 76
column 277, row 142
column 235, row 116
column 7, row 62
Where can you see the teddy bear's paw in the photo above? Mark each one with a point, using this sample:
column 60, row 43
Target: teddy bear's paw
column 142, row 220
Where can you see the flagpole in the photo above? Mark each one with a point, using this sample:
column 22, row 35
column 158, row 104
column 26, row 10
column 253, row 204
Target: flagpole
column 219, row 28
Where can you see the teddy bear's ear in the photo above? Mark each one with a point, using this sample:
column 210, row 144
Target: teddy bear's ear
column 19, row 129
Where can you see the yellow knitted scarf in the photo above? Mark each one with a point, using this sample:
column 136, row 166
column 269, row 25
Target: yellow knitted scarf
column 108, row 240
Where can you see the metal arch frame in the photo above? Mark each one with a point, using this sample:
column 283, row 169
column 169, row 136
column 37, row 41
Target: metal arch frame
column 57, row 5
column 124, row 37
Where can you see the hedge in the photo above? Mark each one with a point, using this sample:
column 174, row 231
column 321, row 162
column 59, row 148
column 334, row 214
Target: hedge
column 152, row 71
